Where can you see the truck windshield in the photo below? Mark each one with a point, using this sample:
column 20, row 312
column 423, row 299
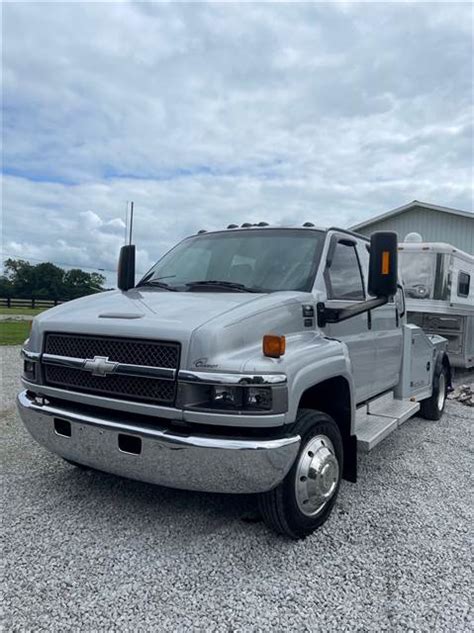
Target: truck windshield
column 425, row 275
column 260, row 260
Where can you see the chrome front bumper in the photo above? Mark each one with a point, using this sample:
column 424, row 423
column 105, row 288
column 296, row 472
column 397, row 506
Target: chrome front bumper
column 210, row 464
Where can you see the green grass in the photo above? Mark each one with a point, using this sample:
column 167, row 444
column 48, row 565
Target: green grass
column 31, row 311
column 14, row 332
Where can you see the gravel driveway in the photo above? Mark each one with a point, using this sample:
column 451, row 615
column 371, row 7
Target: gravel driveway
column 92, row 552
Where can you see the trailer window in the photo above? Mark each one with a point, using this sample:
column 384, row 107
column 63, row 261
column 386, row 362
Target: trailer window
column 425, row 275
column 464, row 282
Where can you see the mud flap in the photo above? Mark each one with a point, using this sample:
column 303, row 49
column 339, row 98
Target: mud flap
column 349, row 472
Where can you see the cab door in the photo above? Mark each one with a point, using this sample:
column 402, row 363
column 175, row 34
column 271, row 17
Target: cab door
column 386, row 327
column 389, row 344
column 344, row 287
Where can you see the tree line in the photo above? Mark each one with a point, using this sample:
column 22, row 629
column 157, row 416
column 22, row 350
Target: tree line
column 23, row 280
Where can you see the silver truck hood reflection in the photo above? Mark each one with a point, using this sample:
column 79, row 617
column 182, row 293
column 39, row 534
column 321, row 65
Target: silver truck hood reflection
column 142, row 312
column 237, row 320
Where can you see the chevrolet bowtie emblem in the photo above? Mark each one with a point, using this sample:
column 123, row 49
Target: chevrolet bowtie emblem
column 99, row 366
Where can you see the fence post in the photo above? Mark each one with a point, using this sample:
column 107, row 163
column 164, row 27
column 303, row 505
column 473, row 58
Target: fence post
column 32, row 302
column 55, row 302
column 9, row 302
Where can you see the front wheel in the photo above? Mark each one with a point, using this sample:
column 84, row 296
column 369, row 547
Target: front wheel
column 304, row 499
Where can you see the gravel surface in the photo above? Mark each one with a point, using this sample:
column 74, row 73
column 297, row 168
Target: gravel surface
column 92, row 552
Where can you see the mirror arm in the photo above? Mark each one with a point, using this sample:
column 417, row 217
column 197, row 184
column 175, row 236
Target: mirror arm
column 335, row 315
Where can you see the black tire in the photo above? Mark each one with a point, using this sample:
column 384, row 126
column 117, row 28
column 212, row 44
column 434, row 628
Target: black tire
column 77, row 465
column 279, row 507
column 432, row 408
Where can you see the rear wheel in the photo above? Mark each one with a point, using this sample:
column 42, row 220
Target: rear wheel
column 432, row 408
column 305, row 498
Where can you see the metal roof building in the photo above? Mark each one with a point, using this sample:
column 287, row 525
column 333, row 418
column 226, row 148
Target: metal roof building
column 434, row 223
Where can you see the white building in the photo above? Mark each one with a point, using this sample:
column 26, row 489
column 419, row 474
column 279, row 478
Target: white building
column 434, row 223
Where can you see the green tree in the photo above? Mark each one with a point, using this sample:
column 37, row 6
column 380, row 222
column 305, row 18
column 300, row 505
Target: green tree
column 47, row 281
column 5, row 287
column 78, row 283
column 21, row 276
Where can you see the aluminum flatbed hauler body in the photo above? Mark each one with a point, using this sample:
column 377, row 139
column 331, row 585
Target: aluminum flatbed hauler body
column 439, row 289
column 250, row 360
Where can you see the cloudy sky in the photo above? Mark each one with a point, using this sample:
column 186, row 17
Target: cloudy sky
column 206, row 114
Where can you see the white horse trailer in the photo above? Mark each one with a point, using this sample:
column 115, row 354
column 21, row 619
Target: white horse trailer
column 439, row 290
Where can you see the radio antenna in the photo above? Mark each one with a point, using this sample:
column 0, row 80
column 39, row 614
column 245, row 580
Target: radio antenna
column 131, row 223
column 126, row 223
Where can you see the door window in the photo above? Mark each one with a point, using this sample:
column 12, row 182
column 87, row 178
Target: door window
column 344, row 279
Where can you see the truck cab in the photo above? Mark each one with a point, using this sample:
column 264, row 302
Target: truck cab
column 255, row 359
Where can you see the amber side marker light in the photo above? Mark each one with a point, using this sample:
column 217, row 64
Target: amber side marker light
column 274, row 346
column 385, row 262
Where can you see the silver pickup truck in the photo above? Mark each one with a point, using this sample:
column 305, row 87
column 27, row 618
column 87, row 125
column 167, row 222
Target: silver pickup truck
column 254, row 359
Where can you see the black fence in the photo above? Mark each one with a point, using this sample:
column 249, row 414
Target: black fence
column 39, row 304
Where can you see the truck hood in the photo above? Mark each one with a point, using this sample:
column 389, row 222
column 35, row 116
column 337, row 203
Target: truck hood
column 142, row 312
column 174, row 316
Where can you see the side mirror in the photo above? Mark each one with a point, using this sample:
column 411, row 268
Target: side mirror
column 383, row 264
column 126, row 267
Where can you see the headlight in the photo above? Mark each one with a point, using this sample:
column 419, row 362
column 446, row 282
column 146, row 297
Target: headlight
column 241, row 398
column 236, row 394
column 30, row 365
column 29, row 370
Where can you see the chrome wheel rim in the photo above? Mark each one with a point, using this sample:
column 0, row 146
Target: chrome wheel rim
column 317, row 475
column 441, row 391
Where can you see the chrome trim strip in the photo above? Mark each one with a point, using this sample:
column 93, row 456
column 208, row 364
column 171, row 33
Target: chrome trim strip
column 64, row 361
column 142, row 371
column 209, row 378
column 30, row 355
column 237, row 420
column 146, row 371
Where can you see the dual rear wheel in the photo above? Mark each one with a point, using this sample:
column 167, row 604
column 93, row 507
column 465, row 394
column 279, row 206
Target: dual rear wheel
column 432, row 408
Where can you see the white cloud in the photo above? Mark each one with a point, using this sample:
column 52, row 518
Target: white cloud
column 206, row 114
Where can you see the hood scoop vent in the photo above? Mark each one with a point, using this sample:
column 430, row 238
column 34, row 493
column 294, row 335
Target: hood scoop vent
column 121, row 315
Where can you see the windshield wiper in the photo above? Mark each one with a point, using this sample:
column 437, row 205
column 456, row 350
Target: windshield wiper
column 214, row 283
column 157, row 284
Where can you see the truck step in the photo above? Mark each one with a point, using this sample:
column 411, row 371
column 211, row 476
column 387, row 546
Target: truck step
column 372, row 429
column 402, row 410
column 378, row 418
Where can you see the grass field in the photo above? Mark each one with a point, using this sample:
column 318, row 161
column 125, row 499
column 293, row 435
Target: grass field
column 31, row 311
column 14, row 332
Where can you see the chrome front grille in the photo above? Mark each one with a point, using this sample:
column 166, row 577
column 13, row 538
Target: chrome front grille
column 119, row 350
column 122, row 387
column 127, row 369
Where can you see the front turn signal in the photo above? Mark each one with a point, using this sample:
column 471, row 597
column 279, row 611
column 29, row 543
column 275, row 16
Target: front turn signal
column 274, row 346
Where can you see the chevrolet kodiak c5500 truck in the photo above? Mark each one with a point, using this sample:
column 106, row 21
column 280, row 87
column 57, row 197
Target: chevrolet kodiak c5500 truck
column 249, row 360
